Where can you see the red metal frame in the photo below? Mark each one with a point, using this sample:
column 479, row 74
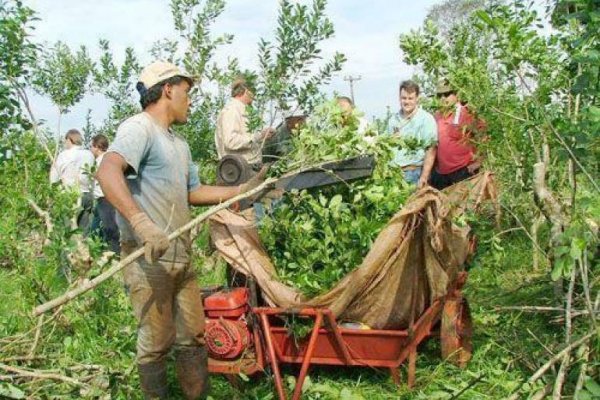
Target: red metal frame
column 330, row 344
column 333, row 345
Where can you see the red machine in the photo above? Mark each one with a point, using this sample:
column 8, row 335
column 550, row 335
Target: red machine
column 238, row 343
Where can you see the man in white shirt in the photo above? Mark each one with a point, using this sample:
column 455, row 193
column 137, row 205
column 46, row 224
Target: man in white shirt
column 347, row 106
column 105, row 221
column 232, row 136
column 71, row 169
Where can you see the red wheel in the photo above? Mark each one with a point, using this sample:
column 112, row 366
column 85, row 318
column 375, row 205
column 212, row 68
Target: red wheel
column 456, row 332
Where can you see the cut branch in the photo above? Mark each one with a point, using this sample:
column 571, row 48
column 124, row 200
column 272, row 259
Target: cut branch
column 557, row 357
column 23, row 373
column 90, row 284
column 45, row 215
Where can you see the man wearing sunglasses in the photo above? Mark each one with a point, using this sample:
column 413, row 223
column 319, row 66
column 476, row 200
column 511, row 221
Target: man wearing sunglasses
column 456, row 156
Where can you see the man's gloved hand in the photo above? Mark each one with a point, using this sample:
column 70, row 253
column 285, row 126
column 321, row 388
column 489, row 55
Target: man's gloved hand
column 156, row 242
column 255, row 181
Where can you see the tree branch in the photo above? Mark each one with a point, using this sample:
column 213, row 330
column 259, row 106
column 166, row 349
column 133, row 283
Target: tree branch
column 41, row 375
column 90, row 284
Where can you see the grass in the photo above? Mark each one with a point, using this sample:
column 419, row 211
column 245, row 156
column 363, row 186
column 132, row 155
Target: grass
column 508, row 345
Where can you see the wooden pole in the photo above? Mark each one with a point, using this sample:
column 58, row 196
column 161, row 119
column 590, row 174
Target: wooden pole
column 90, row 284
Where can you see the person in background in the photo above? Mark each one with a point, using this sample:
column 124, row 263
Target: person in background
column 456, row 157
column 104, row 222
column 347, row 106
column 418, row 128
column 71, row 168
column 232, row 136
column 149, row 176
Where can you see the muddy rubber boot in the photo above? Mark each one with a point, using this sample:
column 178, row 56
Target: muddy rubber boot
column 153, row 380
column 191, row 364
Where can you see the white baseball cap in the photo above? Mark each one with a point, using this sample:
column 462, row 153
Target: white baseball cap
column 158, row 71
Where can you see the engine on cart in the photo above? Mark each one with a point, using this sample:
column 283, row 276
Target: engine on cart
column 227, row 333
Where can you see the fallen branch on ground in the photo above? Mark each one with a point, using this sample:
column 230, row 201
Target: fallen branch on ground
column 22, row 358
column 23, row 373
column 557, row 357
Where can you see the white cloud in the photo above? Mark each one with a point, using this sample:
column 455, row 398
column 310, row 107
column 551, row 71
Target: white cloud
column 366, row 32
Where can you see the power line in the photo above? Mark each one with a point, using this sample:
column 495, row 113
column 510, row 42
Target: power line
column 351, row 79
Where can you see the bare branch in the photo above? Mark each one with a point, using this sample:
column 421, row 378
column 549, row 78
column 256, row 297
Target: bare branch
column 23, row 373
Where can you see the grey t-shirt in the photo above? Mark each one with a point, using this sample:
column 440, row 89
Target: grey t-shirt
column 161, row 173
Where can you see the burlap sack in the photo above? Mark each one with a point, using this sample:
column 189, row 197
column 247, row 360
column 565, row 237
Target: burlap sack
column 411, row 263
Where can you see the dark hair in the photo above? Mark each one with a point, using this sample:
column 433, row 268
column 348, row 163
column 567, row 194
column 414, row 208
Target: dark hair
column 152, row 95
column 100, row 141
column 74, row 136
column 410, row 87
column 346, row 99
column 239, row 86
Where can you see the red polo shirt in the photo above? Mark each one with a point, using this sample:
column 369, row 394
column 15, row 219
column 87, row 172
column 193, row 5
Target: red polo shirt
column 455, row 131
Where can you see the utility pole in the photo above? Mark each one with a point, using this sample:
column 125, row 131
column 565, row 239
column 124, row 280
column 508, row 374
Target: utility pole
column 351, row 79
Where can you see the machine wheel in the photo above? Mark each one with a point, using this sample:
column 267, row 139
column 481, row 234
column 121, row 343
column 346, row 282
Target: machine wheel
column 233, row 170
column 456, row 332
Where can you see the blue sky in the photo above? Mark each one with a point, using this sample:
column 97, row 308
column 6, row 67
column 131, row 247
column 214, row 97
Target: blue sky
column 366, row 32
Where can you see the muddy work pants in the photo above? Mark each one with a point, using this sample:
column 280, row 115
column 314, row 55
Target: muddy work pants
column 167, row 305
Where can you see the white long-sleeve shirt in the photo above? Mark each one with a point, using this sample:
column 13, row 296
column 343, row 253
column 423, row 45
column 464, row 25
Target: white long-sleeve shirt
column 97, row 189
column 232, row 135
column 70, row 166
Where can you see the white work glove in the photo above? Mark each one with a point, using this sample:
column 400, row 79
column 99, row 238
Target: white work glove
column 155, row 240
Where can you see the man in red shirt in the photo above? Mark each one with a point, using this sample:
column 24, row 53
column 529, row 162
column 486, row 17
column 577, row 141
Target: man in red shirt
column 456, row 157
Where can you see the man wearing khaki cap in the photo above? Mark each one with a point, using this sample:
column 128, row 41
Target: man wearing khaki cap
column 456, row 157
column 148, row 175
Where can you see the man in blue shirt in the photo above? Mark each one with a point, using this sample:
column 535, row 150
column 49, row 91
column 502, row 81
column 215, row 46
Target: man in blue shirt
column 419, row 130
column 149, row 176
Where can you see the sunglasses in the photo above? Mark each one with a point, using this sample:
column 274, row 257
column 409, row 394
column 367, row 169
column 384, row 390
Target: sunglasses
column 445, row 94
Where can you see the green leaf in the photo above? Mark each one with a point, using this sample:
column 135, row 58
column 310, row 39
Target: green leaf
column 244, row 377
column 484, row 16
column 11, row 391
column 335, row 201
column 576, row 249
column 592, row 386
column 557, row 272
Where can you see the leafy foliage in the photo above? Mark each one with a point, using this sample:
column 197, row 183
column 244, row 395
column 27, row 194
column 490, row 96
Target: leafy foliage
column 62, row 75
column 117, row 84
column 537, row 93
column 18, row 55
column 288, row 80
column 315, row 237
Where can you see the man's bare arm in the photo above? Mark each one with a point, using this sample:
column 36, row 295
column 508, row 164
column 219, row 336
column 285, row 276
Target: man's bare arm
column 427, row 166
column 208, row 195
column 111, row 177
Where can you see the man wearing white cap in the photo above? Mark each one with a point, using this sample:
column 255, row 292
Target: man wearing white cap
column 149, row 176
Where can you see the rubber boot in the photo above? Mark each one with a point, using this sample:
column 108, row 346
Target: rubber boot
column 191, row 364
column 153, row 380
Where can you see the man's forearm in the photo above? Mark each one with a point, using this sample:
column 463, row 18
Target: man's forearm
column 208, row 195
column 428, row 162
column 112, row 181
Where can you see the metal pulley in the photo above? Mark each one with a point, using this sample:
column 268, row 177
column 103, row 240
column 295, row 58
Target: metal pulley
column 233, row 170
